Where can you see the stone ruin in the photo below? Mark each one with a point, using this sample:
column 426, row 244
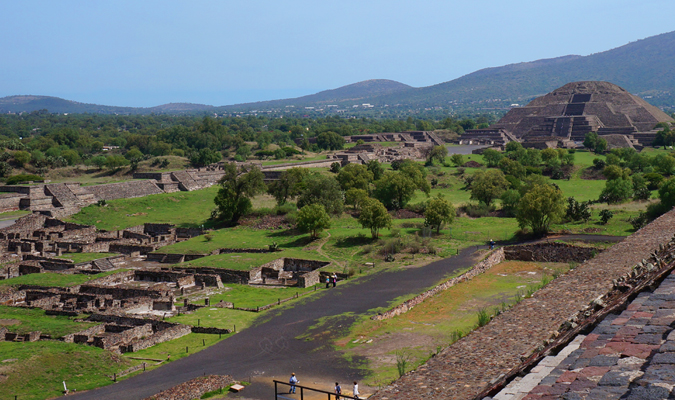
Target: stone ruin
column 414, row 145
column 63, row 199
column 564, row 116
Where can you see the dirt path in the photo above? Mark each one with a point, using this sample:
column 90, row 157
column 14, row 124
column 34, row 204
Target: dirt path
column 289, row 340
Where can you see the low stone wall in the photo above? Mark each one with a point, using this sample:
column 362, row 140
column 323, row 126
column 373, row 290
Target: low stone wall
column 194, row 388
column 488, row 262
column 124, row 190
column 130, row 249
column 162, row 336
column 550, row 252
column 210, row 331
column 124, row 293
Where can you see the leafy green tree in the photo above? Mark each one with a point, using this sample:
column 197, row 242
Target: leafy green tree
column 355, row 176
column 600, row 146
column 394, row 190
column 488, row 185
column 510, row 199
column 531, row 158
column 289, row 185
column 21, row 157
column 457, row 160
column 438, row 153
column 115, row 162
column 133, row 154
column 614, row 172
column 513, row 168
column 98, row 161
column 617, row 190
column 640, row 189
column 324, row 190
column 355, row 197
column 548, row 155
column 330, row 141
column 205, row 157
column 577, row 211
column 417, row 173
column 5, row 169
column 72, row 156
column 374, row 216
column 375, row 167
column 590, row 140
column 438, row 212
column 667, row 193
column 662, row 162
column 243, row 152
column 313, row 218
column 492, row 157
column 237, row 187
column 540, row 207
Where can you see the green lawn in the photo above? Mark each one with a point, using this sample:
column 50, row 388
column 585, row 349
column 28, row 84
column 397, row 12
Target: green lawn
column 180, row 208
column 53, row 279
column 34, row 319
column 41, row 367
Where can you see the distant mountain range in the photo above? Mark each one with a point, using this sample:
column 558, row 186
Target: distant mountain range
column 645, row 68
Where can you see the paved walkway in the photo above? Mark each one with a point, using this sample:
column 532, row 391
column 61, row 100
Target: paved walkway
column 271, row 348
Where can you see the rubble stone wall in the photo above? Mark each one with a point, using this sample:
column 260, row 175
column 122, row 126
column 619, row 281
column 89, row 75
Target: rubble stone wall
column 162, row 336
column 488, row 262
column 124, row 190
column 195, row 388
column 124, row 293
column 550, row 252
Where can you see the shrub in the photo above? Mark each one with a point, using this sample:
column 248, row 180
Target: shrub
column 639, row 221
column 483, row 317
column 13, row 180
column 477, row 210
column 605, row 216
column 577, row 211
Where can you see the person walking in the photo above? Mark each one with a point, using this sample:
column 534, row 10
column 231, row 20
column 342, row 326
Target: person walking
column 338, row 390
column 492, row 244
column 356, row 390
column 293, row 381
column 328, row 282
column 334, row 279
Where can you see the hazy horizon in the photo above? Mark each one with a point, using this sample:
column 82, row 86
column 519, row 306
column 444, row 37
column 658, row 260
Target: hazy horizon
column 144, row 54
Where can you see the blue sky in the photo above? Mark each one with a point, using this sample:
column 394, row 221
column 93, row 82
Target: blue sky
column 146, row 53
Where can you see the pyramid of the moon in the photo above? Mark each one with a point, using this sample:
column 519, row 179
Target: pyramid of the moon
column 572, row 111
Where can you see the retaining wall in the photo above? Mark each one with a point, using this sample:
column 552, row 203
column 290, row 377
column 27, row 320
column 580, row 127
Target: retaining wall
column 195, row 388
column 492, row 259
column 550, row 252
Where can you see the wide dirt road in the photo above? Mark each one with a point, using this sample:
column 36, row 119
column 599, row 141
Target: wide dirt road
column 271, row 348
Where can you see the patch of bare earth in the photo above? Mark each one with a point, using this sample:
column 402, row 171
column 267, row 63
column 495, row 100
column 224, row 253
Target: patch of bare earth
column 8, row 322
column 381, row 351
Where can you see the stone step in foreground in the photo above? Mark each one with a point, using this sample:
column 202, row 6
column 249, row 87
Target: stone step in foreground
column 482, row 358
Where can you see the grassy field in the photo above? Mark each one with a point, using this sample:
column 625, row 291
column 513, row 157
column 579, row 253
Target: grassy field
column 13, row 214
column 24, row 320
column 37, row 370
column 189, row 209
column 436, row 323
column 53, row 279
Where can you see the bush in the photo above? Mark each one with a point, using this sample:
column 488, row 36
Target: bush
column 639, row 221
column 15, row 179
column 284, row 209
column 335, row 167
column 599, row 163
column 477, row 210
column 577, row 211
column 605, row 216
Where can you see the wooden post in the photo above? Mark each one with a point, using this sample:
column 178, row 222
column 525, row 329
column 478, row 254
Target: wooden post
column 186, row 349
column 203, row 342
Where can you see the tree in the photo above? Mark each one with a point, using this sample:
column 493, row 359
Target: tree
column 394, row 190
column 374, row 216
column 72, row 156
column 313, row 218
column 355, row 176
column 667, row 193
column 488, row 185
column 324, row 190
column 438, row 212
column 595, row 143
column 115, row 162
column 513, row 168
column 438, row 153
column 600, row 146
column 617, row 190
column 540, row 207
column 205, row 157
column 510, row 199
column 330, row 141
column 355, row 197
column 662, row 162
column 21, row 157
column 289, row 185
column 417, row 173
column 492, row 157
column 131, row 155
column 457, row 160
column 375, row 167
column 97, row 161
column 238, row 185
column 614, row 172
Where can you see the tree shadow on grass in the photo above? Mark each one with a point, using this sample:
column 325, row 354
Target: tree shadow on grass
column 353, row 241
column 300, row 242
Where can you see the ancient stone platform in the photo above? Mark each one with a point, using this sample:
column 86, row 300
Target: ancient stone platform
column 628, row 356
column 477, row 361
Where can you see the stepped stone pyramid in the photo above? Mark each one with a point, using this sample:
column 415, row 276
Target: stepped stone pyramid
column 570, row 112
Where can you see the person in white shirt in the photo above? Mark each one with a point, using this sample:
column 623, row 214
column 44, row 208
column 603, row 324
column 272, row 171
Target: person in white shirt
column 356, row 390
